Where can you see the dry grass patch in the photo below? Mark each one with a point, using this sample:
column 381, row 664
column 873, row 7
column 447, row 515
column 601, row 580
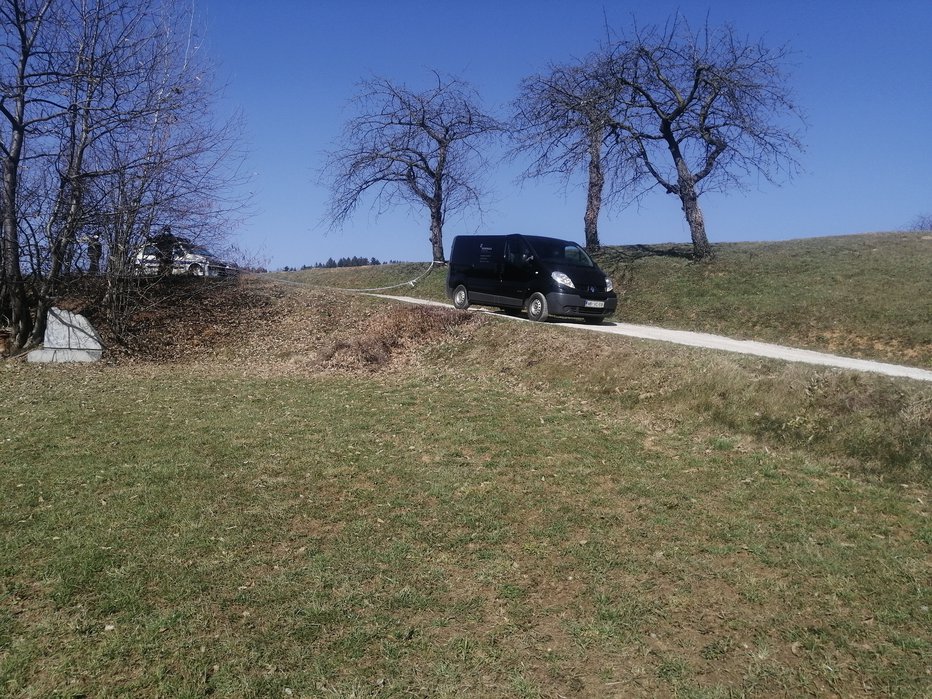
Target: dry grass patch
column 396, row 334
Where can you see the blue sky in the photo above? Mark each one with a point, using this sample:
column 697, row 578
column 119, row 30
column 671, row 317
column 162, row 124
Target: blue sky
column 862, row 74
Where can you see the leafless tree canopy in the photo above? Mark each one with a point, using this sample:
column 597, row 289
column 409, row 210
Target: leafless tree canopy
column 414, row 148
column 562, row 120
column 687, row 111
column 922, row 223
column 700, row 111
column 106, row 132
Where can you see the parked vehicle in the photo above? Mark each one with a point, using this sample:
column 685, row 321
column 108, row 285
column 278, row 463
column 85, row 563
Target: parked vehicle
column 173, row 255
column 544, row 276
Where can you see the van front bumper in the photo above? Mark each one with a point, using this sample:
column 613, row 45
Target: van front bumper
column 574, row 305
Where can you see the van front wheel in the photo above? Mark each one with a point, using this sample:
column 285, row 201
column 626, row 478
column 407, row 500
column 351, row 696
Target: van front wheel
column 537, row 307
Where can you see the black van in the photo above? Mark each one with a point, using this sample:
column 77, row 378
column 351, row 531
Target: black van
column 546, row 276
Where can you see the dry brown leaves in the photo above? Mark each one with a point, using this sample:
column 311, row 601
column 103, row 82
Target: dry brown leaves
column 268, row 327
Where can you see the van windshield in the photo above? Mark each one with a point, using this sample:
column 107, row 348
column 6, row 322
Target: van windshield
column 560, row 252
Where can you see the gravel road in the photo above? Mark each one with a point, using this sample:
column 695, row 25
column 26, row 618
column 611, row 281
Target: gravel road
column 717, row 342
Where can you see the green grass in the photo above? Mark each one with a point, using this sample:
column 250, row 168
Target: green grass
column 863, row 295
column 477, row 508
column 495, row 520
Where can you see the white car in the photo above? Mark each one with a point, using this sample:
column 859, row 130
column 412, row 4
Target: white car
column 184, row 257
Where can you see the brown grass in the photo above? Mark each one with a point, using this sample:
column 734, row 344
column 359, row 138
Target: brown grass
column 397, row 334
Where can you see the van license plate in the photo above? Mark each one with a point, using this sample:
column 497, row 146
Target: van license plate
column 595, row 304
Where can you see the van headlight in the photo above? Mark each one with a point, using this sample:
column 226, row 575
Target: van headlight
column 608, row 284
column 563, row 280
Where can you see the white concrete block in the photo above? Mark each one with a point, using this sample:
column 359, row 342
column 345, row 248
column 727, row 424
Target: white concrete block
column 69, row 337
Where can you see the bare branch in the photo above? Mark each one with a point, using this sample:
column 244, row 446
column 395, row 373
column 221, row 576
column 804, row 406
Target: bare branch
column 415, row 148
column 111, row 109
column 699, row 110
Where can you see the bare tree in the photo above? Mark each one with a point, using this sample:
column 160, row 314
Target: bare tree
column 416, row 148
column 562, row 118
column 700, row 111
column 97, row 97
column 105, row 59
column 171, row 170
column 22, row 65
column 922, row 222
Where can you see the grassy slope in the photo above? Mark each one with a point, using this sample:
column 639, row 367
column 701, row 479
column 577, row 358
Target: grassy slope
column 353, row 498
column 372, row 277
column 336, row 537
column 865, row 295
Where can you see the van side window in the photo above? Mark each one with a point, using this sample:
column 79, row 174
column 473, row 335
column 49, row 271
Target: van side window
column 516, row 252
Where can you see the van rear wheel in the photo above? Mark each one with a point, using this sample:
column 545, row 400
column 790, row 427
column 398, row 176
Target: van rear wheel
column 537, row 307
column 460, row 298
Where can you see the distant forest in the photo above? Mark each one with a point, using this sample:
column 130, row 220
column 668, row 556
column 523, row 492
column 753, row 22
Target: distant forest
column 342, row 262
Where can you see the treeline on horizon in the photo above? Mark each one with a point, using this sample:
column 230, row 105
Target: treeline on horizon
column 342, row 262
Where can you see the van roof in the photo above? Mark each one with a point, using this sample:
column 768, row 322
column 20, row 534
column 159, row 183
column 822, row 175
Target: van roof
column 480, row 236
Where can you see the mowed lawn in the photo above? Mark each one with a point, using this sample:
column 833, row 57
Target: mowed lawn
column 498, row 515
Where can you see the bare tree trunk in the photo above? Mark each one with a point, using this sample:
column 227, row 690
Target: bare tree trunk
column 62, row 242
column 17, row 303
column 4, row 298
column 20, row 318
column 690, row 200
column 594, row 196
column 436, row 234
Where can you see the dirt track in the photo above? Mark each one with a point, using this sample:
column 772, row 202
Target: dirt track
column 717, row 342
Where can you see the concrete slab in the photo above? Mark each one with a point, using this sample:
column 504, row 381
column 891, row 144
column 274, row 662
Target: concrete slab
column 69, row 337
column 44, row 356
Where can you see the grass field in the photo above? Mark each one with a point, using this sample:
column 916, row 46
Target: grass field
column 338, row 496
column 866, row 295
column 863, row 296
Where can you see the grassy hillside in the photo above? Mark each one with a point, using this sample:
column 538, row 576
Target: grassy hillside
column 864, row 296
column 372, row 277
column 301, row 492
